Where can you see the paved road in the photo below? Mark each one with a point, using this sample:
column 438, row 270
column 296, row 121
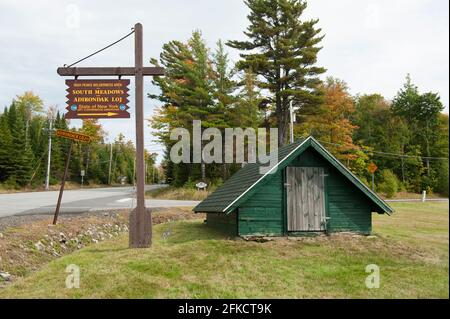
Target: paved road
column 79, row 201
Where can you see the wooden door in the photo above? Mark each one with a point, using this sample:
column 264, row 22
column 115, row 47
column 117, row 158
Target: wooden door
column 305, row 199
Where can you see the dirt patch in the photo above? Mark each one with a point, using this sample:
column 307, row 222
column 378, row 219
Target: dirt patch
column 29, row 241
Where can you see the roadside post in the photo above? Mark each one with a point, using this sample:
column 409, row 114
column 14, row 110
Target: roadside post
column 372, row 168
column 72, row 136
column 424, row 196
column 89, row 101
column 82, row 173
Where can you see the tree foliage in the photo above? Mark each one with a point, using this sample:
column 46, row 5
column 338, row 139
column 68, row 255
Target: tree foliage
column 282, row 50
column 24, row 130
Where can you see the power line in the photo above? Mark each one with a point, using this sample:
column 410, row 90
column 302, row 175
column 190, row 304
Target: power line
column 96, row 52
column 392, row 154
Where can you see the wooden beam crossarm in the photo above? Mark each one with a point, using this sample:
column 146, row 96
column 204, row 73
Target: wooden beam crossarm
column 110, row 71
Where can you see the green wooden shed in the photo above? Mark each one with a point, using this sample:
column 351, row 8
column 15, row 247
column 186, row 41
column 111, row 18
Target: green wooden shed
column 308, row 191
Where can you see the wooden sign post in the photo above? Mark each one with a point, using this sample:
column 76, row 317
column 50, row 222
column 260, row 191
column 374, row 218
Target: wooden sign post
column 72, row 136
column 140, row 218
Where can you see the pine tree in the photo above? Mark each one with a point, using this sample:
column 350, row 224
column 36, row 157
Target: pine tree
column 282, row 52
column 187, row 92
column 224, row 88
column 21, row 154
column 5, row 146
column 246, row 112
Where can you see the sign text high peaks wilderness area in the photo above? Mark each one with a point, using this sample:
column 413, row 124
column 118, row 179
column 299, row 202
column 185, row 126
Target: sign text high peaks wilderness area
column 97, row 99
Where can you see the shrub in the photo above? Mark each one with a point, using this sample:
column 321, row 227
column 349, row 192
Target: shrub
column 389, row 184
column 365, row 182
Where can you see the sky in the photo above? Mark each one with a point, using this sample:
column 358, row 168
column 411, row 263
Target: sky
column 370, row 44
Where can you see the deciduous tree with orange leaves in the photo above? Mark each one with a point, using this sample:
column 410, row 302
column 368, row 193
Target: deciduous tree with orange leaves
column 331, row 125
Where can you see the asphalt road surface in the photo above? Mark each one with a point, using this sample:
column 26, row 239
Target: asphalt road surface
column 79, row 201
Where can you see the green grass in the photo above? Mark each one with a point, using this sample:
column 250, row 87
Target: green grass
column 411, row 248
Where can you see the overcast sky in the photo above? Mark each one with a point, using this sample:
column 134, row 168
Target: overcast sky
column 371, row 44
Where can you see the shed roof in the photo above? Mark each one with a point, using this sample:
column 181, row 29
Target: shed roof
column 246, row 181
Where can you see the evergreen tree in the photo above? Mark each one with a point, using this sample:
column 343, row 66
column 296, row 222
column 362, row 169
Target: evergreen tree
column 282, row 51
column 21, row 154
column 188, row 93
column 5, row 147
column 224, row 88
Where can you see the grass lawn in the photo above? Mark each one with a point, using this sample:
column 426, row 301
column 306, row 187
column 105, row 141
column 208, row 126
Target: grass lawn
column 411, row 248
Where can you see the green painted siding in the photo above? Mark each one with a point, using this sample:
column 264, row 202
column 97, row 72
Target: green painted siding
column 310, row 158
column 223, row 222
column 262, row 214
column 348, row 208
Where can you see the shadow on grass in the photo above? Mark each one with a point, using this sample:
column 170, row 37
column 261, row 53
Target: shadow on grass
column 95, row 250
column 183, row 232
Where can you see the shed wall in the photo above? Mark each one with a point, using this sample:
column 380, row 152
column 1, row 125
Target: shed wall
column 262, row 213
column 223, row 222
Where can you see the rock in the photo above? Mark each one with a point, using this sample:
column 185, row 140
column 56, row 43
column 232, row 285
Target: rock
column 5, row 276
column 39, row 246
column 62, row 238
column 1, row 235
column 371, row 237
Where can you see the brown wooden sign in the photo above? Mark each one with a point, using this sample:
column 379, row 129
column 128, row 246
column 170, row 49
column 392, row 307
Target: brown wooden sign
column 94, row 99
column 73, row 136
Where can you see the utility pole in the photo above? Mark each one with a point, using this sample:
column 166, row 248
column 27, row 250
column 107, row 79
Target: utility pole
column 153, row 174
column 291, row 118
column 110, row 162
column 47, row 177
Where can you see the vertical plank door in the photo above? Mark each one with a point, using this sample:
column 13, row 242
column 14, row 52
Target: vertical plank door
column 305, row 198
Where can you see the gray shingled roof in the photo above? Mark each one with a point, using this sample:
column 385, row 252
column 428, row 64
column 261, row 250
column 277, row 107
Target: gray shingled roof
column 237, row 184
